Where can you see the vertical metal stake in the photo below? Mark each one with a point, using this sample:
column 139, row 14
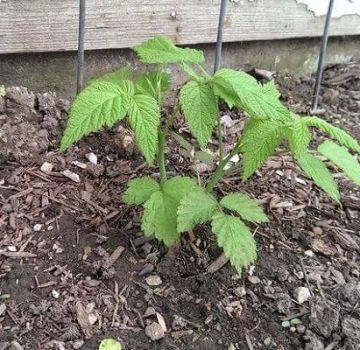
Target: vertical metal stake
column 219, row 41
column 81, row 48
column 322, row 55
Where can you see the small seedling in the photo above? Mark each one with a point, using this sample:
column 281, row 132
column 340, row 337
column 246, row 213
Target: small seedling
column 110, row 344
column 175, row 205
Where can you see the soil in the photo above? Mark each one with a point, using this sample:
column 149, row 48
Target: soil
column 75, row 268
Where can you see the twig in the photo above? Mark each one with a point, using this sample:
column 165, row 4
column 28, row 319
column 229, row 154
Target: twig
column 248, row 341
column 306, row 277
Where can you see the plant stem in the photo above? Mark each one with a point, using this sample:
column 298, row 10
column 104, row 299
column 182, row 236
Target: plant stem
column 163, row 132
column 219, row 172
column 161, row 156
column 220, row 137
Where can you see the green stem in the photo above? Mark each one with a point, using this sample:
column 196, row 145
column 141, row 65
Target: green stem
column 220, row 137
column 220, row 172
column 163, row 132
column 161, row 156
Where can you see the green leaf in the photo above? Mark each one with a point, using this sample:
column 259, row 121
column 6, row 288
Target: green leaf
column 200, row 108
column 144, row 118
column 342, row 158
column 162, row 50
column 140, row 190
column 182, row 142
column 340, row 135
column 110, row 344
column 155, row 84
column 259, row 141
column 242, row 90
column 115, row 77
column 316, row 170
column 160, row 214
column 236, row 240
column 100, row 104
column 245, row 206
column 2, row 91
column 195, row 208
column 299, row 137
column 270, row 88
column 190, row 72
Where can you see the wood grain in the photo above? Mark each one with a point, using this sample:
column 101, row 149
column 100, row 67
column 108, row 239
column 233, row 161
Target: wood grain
column 51, row 25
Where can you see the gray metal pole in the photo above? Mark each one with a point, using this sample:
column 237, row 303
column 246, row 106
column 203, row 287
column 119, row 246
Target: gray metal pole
column 320, row 69
column 219, row 41
column 81, row 47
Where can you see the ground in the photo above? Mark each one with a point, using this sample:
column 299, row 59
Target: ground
column 75, row 268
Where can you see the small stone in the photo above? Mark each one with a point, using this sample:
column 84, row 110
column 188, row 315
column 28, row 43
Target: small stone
column 317, row 231
column 240, row 292
column 153, row 280
column 55, row 294
column 37, row 227
column 301, row 329
column 154, row 331
column 150, row 311
column 80, row 165
column 267, row 341
column 254, row 279
column 2, row 309
column 47, row 168
column 78, row 344
column 309, row 253
column 72, row 176
column 15, row 346
column 302, row 294
column 11, row 248
column 227, row 121
column 92, row 158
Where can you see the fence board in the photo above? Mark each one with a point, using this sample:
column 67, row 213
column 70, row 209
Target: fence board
column 51, row 25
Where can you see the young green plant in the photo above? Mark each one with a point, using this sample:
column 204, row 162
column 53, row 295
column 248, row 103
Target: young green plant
column 177, row 204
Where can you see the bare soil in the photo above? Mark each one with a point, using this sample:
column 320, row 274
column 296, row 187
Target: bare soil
column 75, row 268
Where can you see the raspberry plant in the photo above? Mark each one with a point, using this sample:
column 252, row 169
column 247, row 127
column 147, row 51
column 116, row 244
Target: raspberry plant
column 175, row 205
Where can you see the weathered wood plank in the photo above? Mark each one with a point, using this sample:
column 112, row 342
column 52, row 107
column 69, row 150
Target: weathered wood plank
column 51, row 25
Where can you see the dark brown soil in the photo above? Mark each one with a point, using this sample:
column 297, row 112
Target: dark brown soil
column 74, row 265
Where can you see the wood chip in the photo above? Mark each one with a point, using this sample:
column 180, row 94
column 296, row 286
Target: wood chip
column 18, row 255
column 220, row 262
column 83, row 320
column 113, row 257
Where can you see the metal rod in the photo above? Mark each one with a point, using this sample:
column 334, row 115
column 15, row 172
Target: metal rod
column 320, row 69
column 220, row 32
column 81, row 47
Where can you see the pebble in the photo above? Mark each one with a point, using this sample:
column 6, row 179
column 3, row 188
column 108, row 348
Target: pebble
column 153, row 280
column 240, row 292
column 317, row 231
column 154, row 331
column 302, row 294
column 92, row 158
column 309, row 253
column 301, row 329
column 11, row 248
column 254, row 279
column 78, row 344
column 267, row 341
column 47, row 168
column 72, row 176
column 37, row 227
column 55, row 294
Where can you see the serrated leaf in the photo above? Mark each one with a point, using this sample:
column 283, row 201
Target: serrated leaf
column 115, row 77
column 245, row 206
column 155, row 84
column 316, row 170
column 340, row 135
column 299, row 137
column 162, row 50
column 242, row 90
column 160, row 214
column 100, row 104
column 342, row 158
column 195, row 208
column 236, row 240
column 110, row 344
column 182, row 142
column 140, row 190
column 204, row 157
column 271, row 89
column 258, row 143
column 200, row 108
column 190, row 72
column 144, row 118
